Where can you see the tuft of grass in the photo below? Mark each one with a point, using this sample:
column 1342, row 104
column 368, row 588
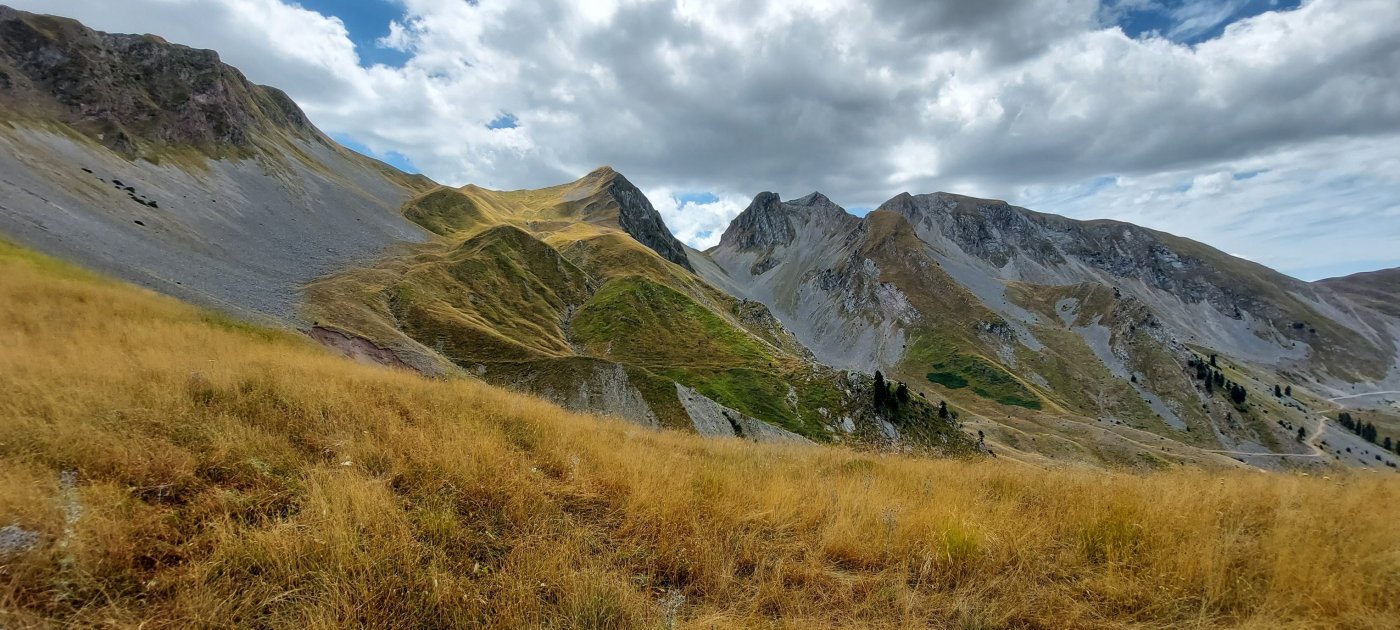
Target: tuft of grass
column 182, row 473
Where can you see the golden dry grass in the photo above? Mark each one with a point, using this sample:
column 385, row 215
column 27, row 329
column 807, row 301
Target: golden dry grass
column 185, row 471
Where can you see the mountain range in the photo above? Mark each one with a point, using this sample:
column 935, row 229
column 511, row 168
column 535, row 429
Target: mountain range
column 937, row 323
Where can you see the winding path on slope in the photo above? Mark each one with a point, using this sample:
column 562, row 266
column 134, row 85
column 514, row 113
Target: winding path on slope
column 1253, row 454
column 1362, row 395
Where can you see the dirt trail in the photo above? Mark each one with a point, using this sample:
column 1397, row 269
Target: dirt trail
column 1362, row 395
column 1251, row 454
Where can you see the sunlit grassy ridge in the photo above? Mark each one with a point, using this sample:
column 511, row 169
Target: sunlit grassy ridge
column 181, row 470
column 535, row 289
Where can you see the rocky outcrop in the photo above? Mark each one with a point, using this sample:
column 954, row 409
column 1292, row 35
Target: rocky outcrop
column 641, row 221
column 608, row 390
column 582, row 384
column 768, row 220
column 128, row 89
column 762, row 224
column 715, row 420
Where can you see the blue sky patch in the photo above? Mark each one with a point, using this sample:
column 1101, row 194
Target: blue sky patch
column 392, row 158
column 367, row 21
column 504, row 121
column 697, row 198
column 1186, row 21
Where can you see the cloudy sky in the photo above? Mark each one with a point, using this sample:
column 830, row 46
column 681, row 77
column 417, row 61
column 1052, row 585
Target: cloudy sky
column 1268, row 128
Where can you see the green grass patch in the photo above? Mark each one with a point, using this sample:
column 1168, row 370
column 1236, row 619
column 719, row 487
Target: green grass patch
column 948, row 379
column 500, row 295
column 639, row 321
column 444, row 211
column 953, row 368
column 764, row 396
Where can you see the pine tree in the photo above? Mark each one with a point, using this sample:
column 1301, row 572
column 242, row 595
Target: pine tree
column 901, row 393
column 943, row 409
column 880, row 390
column 1386, row 443
column 1278, row 392
column 1212, row 361
column 1237, row 394
column 1301, row 434
column 1288, row 391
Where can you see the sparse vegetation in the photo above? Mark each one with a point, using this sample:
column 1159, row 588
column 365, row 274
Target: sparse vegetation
column 228, row 475
column 1367, row 430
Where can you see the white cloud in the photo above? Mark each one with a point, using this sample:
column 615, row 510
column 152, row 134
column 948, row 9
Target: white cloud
column 1032, row 100
column 699, row 224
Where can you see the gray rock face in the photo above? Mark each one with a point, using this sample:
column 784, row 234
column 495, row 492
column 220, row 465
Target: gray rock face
column 1209, row 297
column 640, row 220
column 1049, row 249
column 129, row 88
column 608, row 390
column 800, row 259
column 762, row 224
column 587, row 385
column 15, row 540
column 768, row 220
column 712, row 419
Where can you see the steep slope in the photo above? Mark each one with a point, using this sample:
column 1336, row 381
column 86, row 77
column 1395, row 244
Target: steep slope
column 1232, row 305
column 1376, row 290
column 800, row 258
column 1030, row 320
column 161, row 165
column 571, row 292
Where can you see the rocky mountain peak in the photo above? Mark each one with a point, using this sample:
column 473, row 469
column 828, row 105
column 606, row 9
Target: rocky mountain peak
column 601, row 174
column 813, row 199
column 761, row 225
column 769, row 220
column 638, row 218
column 129, row 90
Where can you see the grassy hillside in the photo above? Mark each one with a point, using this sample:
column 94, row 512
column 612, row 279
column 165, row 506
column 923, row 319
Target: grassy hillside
column 533, row 288
column 1372, row 289
column 163, row 466
column 944, row 348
